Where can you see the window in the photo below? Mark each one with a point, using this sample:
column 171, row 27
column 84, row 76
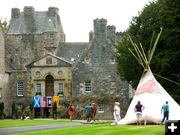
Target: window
column 61, row 89
column 87, row 85
column 113, row 84
column 101, row 108
column 113, row 61
column 38, row 88
column 49, row 60
column 19, row 105
column 20, row 89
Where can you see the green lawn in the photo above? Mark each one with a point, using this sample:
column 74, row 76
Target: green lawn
column 94, row 129
column 16, row 123
column 103, row 129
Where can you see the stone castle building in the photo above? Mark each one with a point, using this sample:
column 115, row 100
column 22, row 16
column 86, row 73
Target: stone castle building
column 35, row 59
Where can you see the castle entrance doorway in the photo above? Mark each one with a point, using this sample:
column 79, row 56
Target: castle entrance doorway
column 49, row 85
column 49, row 91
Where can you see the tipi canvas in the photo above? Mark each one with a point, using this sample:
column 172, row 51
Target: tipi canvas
column 152, row 95
column 149, row 92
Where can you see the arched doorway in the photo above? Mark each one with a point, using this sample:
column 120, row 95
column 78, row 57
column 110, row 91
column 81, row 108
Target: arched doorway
column 49, row 91
column 49, row 85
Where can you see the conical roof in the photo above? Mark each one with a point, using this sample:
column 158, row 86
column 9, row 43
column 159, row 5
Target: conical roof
column 152, row 96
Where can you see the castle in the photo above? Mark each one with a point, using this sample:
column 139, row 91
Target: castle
column 36, row 60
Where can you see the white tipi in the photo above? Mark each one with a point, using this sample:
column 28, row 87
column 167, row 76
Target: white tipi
column 151, row 94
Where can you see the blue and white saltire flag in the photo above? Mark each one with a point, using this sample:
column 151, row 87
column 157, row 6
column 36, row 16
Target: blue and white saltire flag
column 36, row 102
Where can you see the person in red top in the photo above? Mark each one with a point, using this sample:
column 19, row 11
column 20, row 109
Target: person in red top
column 94, row 109
column 71, row 110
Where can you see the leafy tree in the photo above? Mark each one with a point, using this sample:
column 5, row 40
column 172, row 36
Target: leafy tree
column 4, row 25
column 165, row 62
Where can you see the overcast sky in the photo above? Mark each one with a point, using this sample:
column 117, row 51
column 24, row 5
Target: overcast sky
column 77, row 15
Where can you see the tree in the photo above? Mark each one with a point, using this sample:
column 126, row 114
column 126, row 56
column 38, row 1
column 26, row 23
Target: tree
column 165, row 62
column 4, row 25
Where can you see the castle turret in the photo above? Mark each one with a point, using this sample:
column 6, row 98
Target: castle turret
column 29, row 19
column 111, row 33
column 15, row 13
column 52, row 11
column 100, row 30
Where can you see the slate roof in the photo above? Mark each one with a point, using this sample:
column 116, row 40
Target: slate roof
column 71, row 50
column 41, row 22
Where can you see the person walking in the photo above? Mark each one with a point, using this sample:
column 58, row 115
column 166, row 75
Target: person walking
column 89, row 110
column 71, row 111
column 117, row 112
column 138, row 110
column 165, row 111
column 94, row 109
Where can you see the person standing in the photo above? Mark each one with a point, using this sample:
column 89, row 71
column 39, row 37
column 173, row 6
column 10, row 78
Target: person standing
column 165, row 111
column 89, row 110
column 71, row 110
column 117, row 112
column 138, row 109
column 94, row 109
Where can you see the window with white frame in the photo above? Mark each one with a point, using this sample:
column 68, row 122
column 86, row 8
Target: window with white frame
column 20, row 89
column 101, row 108
column 60, row 89
column 38, row 88
column 87, row 86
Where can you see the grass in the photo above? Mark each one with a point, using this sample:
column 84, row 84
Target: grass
column 102, row 129
column 16, row 123
column 94, row 129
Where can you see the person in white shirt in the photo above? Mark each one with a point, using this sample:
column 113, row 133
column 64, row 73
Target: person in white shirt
column 117, row 112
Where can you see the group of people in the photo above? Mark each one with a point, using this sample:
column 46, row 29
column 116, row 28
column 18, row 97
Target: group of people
column 138, row 110
column 90, row 112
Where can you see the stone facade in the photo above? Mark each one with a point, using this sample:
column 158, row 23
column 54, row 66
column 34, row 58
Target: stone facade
column 38, row 61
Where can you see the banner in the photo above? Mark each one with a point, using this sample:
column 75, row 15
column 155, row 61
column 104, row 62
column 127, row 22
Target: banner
column 49, row 101
column 43, row 101
column 56, row 99
column 36, row 102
